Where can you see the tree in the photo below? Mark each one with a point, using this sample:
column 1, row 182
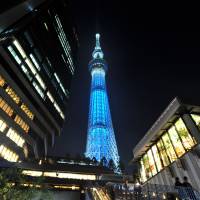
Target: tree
column 12, row 186
column 103, row 162
column 111, row 165
column 94, row 160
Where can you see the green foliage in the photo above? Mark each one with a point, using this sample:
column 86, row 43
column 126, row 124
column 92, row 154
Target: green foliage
column 111, row 165
column 12, row 188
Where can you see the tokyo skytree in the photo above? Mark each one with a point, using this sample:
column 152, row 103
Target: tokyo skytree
column 100, row 136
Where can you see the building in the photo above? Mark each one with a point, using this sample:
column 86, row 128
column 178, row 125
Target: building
column 171, row 147
column 38, row 46
column 100, row 139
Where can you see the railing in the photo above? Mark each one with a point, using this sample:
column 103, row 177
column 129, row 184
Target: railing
column 155, row 192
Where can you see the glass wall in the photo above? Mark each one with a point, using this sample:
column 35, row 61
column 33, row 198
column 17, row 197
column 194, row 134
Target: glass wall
column 174, row 143
column 187, row 140
column 156, row 157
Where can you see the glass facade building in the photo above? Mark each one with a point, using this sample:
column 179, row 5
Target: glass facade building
column 37, row 62
column 170, row 147
column 100, row 139
column 173, row 144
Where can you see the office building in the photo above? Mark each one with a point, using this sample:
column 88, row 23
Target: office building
column 38, row 45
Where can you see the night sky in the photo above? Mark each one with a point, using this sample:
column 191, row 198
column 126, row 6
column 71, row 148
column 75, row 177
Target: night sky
column 153, row 56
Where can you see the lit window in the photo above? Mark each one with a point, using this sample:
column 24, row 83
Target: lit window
column 27, row 111
column 64, row 43
column 12, row 94
column 30, row 65
column 169, row 148
column 196, row 119
column 176, row 141
column 5, row 107
column 156, row 157
column 59, row 82
column 38, row 89
column 2, row 81
column 21, row 123
column 14, row 136
column 186, row 138
column 146, row 165
column 142, row 171
column 41, row 82
column 46, row 26
column 50, row 96
column 34, row 61
column 7, row 154
column 3, row 125
column 163, row 154
column 24, row 69
column 151, row 162
column 15, row 56
column 19, row 48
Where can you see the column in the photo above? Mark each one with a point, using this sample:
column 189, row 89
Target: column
column 193, row 129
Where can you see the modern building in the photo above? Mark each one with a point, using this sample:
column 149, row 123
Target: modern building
column 101, row 141
column 171, row 147
column 38, row 46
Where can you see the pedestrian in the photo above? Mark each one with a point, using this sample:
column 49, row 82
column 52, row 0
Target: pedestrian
column 188, row 188
column 177, row 182
column 186, row 183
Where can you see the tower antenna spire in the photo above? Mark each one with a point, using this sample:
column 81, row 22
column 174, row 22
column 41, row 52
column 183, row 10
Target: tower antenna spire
column 98, row 41
column 97, row 53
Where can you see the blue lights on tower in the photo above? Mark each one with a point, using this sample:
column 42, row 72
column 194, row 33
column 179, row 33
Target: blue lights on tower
column 100, row 139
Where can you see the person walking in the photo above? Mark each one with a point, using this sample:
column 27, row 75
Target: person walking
column 188, row 188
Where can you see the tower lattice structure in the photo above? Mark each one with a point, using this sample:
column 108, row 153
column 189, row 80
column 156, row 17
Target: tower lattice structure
column 100, row 137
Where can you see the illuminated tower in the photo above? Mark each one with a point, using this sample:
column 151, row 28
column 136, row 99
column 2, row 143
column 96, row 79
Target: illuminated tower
column 100, row 139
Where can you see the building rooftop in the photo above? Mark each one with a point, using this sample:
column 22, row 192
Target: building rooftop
column 170, row 114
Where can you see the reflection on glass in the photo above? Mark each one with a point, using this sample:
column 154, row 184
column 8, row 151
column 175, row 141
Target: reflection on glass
column 146, row 166
column 142, row 171
column 169, row 148
column 163, row 153
column 151, row 162
column 176, row 141
column 156, row 157
column 186, row 138
column 196, row 119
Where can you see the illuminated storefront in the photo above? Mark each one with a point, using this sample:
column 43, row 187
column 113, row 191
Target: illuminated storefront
column 173, row 144
column 170, row 148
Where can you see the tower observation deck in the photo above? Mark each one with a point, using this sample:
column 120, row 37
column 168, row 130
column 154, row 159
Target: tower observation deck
column 100, row 137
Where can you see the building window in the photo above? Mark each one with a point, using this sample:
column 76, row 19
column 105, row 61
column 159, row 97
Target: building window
column 151, row 162
column 5, row 107
column 7, row 154
column 163, row 154
column 146, row 166
column 2, row 81
column 36, row 86
column 15, row 137
column 185, row 136
column 27, row 111
column 169, row 147
column 196, row 119
column 3, row 125
column 142, row 171
column 176, row 141
column 12, row 94
column 21, row 123
column 156, row 157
